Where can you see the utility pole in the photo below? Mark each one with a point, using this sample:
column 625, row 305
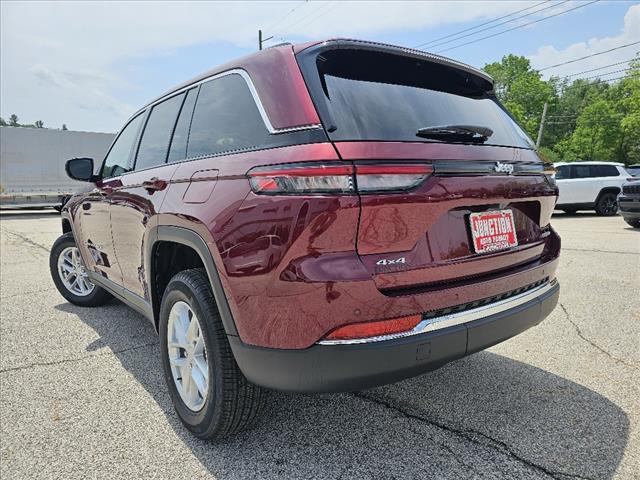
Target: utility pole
column 544, row 115
column 262, row 40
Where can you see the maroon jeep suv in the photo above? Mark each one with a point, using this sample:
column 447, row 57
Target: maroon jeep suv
column 321, row 217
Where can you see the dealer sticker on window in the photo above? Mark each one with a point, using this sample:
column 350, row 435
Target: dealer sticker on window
column 492, row 231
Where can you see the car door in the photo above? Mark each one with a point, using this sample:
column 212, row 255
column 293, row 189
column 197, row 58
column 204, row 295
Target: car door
column 136, row 203
column 591, row 182
column 93, row 218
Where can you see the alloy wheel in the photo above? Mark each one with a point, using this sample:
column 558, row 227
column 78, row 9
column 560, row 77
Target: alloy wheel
column 187, row 356
column 73, row 273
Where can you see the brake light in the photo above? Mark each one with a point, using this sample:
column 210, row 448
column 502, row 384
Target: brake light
column 332, row 178
column 374, row 329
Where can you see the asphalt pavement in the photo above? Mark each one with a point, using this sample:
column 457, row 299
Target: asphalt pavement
column 82, row 393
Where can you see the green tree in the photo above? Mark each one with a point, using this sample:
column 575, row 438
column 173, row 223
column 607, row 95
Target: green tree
column 521, row 89
column 39, row 124
column 64, row 126
column 2, row 122
column 597, row 132
column 13, row 120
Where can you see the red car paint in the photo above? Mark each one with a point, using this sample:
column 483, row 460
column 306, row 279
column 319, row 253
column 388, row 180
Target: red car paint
column 296, row 267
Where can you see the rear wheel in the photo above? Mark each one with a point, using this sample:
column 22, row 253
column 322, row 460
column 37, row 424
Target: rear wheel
column 607, row 205
column 70, row 275
column 210, row 394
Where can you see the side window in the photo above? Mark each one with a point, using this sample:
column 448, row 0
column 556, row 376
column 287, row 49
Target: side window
column 605, row 171
column 582, row 171
column 225, row 118
column 117, row 161
column 178, row 148
column 562, row 172
column 154, row 144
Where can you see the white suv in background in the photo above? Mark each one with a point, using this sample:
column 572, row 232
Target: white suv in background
column 589, row 186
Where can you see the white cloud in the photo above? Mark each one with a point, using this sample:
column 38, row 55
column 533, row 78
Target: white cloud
column 548, row 55
column 58, row 59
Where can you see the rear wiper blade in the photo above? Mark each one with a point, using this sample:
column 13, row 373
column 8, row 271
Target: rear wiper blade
column 456, row 133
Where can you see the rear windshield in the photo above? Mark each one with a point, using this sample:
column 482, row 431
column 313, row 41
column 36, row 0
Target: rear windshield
column 370, row 95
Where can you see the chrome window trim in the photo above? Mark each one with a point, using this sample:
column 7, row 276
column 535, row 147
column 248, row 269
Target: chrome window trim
column 453, row 319
column 254, row 93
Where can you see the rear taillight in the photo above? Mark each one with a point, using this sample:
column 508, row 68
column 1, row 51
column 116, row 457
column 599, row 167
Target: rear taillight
column 331, row 178
column 302, row 178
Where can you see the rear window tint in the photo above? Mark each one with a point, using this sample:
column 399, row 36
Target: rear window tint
column 225, row 118
column 604, row 171
column 384, row 96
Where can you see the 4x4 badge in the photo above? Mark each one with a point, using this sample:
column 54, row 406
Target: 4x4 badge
column 503, row 168
column 384, row 261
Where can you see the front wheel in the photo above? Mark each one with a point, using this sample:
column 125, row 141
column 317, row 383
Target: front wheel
column 70, row 275
column 211, row 396
column 607, row 205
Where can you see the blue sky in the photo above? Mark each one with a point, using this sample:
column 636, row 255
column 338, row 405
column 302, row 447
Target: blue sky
column 89, row 65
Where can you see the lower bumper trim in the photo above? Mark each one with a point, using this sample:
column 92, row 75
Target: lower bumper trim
column 336, row 368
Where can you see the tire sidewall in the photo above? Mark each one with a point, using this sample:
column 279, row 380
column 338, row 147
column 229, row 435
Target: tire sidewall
column 179, row 290
column 600, row 204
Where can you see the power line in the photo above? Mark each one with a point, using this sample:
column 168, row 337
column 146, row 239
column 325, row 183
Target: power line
column 519, row 26
column 501, row 23
column 588, row 56
column 332, row 4
column 599, row 68
column 273, row 25
column 598, row 81
column 480, row 25
column 305, row 17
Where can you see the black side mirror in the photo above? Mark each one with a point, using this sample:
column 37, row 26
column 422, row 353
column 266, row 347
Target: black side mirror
column 81, row 169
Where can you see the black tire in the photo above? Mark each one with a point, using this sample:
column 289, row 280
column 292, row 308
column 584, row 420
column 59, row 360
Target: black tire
column 569, row 211
column 634, row 223
column 232, row 403
column 96, row 298
column 607, row 205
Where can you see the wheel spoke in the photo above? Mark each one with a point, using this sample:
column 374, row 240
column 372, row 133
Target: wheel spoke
column 193, row 331
column 199, row 381
column 198, row 348
column 177, row 344
column 178, row 362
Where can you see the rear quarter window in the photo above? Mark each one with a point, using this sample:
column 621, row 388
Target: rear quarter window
column 605, row 171
column 225, row 118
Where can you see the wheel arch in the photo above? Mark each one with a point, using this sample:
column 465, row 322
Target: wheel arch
column 192, row 240
column 612, row 189
column 66, row 222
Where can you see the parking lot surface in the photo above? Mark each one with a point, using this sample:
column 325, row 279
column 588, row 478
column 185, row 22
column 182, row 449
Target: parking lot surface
column 82, row 393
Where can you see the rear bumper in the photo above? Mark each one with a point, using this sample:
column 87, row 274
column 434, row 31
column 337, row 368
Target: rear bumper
column 348, row 367
column 629, row 207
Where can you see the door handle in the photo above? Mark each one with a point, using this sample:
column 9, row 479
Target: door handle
column 154, row 184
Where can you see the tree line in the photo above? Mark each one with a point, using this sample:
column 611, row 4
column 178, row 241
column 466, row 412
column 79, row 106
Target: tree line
column 587, row 118
column 14, row 122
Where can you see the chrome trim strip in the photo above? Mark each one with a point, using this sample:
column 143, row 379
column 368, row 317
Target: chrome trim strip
column 453, row 319
column 254, row 94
